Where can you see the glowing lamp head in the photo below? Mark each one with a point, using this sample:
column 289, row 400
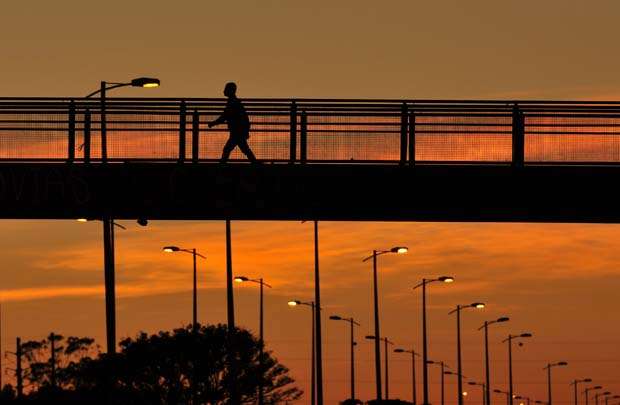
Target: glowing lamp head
column 464, row 393
column 170, row 249
column 240, row 279
column 478, row 305
column 293, row 303
column 446, row 279
column 82, row 220
column 147, row 82
column 399, row 249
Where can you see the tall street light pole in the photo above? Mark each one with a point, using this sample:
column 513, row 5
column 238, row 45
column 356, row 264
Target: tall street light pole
column 509, row 340
column 352, row 323
column 548, row 368
column 375, row 254
column 442, row 367
column 484, row 391
column 485, row 326
column 457, row 310
column 600, row 394
column 261, row 283
column 108, row 222
column 413, row 384
column 313, row 307
column 576, row 382
column 194, row 253
column 423, row 283
column 508, row 396
column 386, row 341
column 588, row 389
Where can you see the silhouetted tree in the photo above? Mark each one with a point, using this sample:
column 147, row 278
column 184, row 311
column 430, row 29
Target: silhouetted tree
column 351, row 402
column 67, row 353
column 176, row 367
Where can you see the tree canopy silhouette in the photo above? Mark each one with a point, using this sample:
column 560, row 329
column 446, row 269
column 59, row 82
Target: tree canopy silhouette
column 186, row 366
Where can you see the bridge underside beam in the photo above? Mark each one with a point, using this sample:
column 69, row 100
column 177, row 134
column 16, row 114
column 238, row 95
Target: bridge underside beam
column 456, row 193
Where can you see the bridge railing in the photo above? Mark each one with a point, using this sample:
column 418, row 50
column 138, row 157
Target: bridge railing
column 305, row 131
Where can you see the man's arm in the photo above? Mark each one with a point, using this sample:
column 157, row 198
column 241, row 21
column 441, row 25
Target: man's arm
column 221, row 119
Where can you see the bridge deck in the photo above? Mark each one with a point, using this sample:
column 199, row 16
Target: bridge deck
column 425, row 160
column 325, row 192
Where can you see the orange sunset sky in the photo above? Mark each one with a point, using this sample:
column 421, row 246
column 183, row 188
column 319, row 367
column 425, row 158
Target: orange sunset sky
column 558, row 281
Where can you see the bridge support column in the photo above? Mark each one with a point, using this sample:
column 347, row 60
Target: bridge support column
column 518, row 137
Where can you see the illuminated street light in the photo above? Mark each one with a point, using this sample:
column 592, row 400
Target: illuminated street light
column 477, row 305
column 352, row 323
column 485, row 326
column 259, row 281
column 313, row 388
column 509, row 340
column 413, row 385
column 548, row 368
column 375, row 254
column 443, row 279
column 172, row 249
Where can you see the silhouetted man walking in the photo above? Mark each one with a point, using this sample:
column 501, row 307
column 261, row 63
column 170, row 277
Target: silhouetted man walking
column 238, row 124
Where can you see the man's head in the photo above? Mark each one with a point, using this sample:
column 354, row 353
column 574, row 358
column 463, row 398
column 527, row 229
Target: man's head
column 230, row 90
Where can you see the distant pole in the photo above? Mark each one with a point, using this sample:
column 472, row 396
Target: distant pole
column 234, row 394
column 109, row 276
column 1, row 354
column 313, row 361
column 229, row 279
column 510, row 387
column 261, row 399
column 52, row 338
column 377, row 333
column 487, row 389
column 195, row 295
column 458, row 355
column 424, row 348
column 18, row 368
column 442, row 383
column 413, row 393
column 352, row 359
column 549, row 385
column 387, row 381
column 317, row 299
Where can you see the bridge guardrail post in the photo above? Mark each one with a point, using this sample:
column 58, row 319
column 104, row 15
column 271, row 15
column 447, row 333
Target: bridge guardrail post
column 182, row 127
column 87, row 123
column 71, row 133
column 518, row 137
column 403, row 134
column 303, row 138
column 412, row 138
column 293, row 133
column 195, row 136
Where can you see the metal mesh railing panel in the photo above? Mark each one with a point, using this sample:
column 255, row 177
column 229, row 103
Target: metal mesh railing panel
column 572, row 139
column 353, row 138
column 480, row 138
column 33, row 135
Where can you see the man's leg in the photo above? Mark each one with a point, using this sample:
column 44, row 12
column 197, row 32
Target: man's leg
column 245, row 148
column 228, row 147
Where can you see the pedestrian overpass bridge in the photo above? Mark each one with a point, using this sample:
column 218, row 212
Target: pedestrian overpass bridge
column 379, row 160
